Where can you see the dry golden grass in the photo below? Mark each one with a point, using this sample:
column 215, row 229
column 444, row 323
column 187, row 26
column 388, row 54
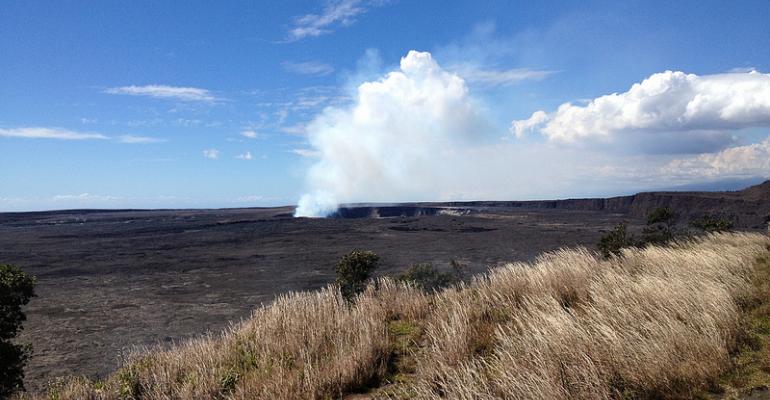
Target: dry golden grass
column 653, row 322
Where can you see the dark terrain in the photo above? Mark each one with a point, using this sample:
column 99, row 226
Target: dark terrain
column 113, row 280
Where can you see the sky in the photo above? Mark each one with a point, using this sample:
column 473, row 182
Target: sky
column 154, row 104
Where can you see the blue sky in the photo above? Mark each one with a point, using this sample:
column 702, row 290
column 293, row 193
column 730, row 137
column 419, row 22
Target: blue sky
column 154, row 104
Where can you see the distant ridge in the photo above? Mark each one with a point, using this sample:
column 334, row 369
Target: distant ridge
column 748, row 208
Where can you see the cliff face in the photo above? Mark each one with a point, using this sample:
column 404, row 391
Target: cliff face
column 748, row 208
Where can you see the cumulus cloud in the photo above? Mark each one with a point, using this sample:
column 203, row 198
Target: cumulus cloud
column 689, row 110
column 245, row 156
column 190, row 94
column 308, row 68
column 739, row 161
column 393, row 140
column 335, row 13
column 49, row 133
column 212, row 154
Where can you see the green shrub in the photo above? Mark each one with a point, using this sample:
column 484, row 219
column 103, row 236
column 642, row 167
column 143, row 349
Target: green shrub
column 661, row 215
column 658, row 234
column 660, row 227
column 16, row 289
column 353, row 271
column 712, row 223
column 426, row 277
column 615, row 240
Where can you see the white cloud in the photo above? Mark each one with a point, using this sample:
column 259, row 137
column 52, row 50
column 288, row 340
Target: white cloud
column 520, row 128
column 245, row 156
column 212, row 154
column 49, row 133
column 418, row 134
column 686, row 109
column 306, row 153
column 739, row 161
column 473, row 73
column 133, row 139
column 84, row 198
column 252, row 134
column 393, row 141
column 308, row 68
column 166, row 92
column 296, row 129
column 335, row 13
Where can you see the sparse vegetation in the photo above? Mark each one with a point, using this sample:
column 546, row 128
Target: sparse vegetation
column 661, row 215
column 16, row 289
column 653, row 322
column 660, row 227
column 712, row 223
column 427, row 277
column 615, row 241
column 353, row 272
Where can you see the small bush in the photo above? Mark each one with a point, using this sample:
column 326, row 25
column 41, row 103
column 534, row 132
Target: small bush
column 428, row 278
column 16, row 289
column 658, row 234
column 660, row 227
column 711, row 223
column 615, row 240
column 353, row 272
column 661, row 215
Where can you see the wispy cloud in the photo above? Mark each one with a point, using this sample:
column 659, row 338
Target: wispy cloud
column 498, row 77
column 166, row 92
column 296, row 129
column 84, row 197
column 132, row 139
column 288, row 110
column 308, row 68
column 245, row 156
column 50, row 133
column 66, row 134
column 252, row 134
column 212, row 154
column 306, row 153
column 336, row 13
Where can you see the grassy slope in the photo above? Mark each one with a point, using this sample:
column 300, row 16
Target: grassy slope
column 653, row 323
column 750, row 377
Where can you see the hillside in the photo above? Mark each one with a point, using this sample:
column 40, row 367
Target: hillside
column 653, row 323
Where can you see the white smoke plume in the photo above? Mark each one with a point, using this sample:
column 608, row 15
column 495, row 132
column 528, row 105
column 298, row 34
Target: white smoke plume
column 392, row 140
column 416, row 134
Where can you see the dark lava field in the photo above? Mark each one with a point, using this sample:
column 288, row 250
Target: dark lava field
column 111, row 281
